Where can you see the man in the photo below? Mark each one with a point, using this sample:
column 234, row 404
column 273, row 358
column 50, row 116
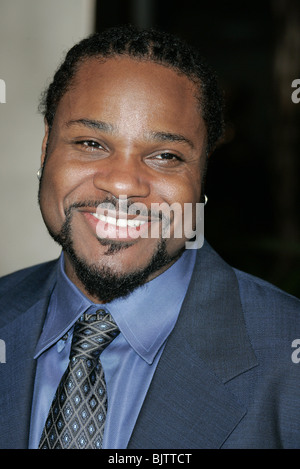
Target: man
column 200, row 354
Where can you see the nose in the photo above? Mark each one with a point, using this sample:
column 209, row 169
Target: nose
column 122, row 176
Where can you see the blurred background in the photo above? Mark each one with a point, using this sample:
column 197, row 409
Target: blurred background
column 252, row 216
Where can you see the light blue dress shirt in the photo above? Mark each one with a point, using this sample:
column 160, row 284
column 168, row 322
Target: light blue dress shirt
column 145, row 319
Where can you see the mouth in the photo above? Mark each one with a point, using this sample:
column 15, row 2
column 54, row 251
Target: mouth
column 121, row 221
column 117, row 226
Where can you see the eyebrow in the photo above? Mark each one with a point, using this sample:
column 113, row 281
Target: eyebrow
column 92, row 124
column 170, row 137
column 111, row 129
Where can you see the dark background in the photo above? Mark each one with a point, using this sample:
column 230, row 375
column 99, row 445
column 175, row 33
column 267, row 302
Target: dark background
column 252, row 216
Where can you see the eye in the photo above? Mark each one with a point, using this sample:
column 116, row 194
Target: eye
column 167, row 156
column 89, row 145
column 165, row 159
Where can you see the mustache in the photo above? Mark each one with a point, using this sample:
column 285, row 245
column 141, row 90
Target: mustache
column 121, row 205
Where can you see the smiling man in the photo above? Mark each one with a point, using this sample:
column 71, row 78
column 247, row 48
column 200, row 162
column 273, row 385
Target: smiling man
column 132, row 339
column 114, row 138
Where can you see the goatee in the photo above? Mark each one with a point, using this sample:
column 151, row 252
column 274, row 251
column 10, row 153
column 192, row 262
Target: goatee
column 101, row 282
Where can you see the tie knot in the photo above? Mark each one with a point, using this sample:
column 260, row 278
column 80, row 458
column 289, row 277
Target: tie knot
column 92, row 334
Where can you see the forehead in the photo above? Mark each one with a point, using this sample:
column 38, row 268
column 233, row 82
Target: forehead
column 128, row 90
column 120, row 69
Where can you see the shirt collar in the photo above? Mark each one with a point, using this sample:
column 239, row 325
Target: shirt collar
column 66, row 305
column 148, row 315
column 145, row 318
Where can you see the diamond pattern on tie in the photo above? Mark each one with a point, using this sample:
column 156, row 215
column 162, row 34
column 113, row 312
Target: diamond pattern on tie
column 77, row 415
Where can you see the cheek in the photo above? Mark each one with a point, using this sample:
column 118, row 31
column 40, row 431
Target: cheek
column 49, row 202
column 57, row 186
column 181, row 189
column 177, row 193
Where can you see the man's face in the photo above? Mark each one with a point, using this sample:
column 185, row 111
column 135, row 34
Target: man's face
column 126, row 130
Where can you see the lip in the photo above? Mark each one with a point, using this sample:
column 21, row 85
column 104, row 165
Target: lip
column 122, row 228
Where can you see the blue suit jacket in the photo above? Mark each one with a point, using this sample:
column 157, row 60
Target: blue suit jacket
column 226, row 378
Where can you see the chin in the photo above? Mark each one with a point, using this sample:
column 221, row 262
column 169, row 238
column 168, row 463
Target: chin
column 117, row 273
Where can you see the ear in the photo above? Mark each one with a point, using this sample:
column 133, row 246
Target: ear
column 44, row 143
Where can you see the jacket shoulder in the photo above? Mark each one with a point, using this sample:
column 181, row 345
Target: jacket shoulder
column 272, row 318
column 260, row 294
column 29, row 278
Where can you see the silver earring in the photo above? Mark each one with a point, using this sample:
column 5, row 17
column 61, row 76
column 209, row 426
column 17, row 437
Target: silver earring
column 205, row 199
column 39, row 173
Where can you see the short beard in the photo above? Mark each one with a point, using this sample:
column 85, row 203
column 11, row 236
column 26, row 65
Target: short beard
column 102, row 282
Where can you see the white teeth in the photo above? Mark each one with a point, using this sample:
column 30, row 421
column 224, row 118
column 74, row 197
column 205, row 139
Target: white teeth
column 123, row 222
column 134, row 223
column 119, row 222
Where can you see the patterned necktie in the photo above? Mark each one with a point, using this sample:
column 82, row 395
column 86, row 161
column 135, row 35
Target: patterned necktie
column 77, row 415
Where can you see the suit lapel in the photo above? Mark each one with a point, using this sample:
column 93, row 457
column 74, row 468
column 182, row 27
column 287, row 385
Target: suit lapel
column 21, row 333
column 188, row 405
